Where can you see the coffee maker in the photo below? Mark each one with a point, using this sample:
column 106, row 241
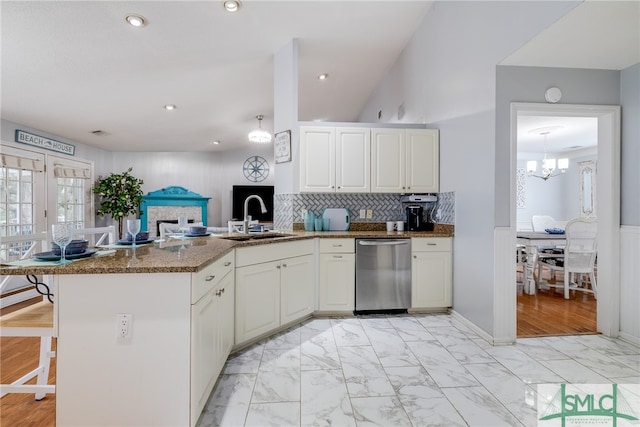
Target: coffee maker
column 419, row 211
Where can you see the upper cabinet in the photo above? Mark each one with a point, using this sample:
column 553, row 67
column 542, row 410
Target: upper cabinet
column 363, row 160
column 334, row 160
column 405, row 160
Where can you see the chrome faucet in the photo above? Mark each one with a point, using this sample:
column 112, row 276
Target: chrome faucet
column 245, row 218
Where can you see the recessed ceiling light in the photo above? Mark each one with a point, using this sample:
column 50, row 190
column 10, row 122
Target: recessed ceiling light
column 323, row 76
column 169, row 107
column 136, row 20
column 231, row 5
column 215, row 142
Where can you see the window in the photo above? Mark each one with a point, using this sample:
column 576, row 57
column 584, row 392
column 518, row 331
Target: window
column 21, row 188
column 73, row 190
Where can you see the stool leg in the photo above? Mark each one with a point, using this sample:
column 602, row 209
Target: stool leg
column 45, row 363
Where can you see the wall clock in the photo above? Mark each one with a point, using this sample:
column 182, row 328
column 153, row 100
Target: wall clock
column 255, row 169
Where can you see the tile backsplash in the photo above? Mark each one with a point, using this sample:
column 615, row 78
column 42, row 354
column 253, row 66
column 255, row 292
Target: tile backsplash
column 385, row 206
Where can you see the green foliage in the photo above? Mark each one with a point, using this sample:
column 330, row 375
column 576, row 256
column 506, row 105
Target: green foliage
column 120, row 194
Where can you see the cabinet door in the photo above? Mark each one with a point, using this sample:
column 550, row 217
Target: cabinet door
column 431, row 280
column 422, row 160
column 226, row 315
column 336, row 282
column 257, row 300
column 317, row 159
column 297, row 284
column 353, row 148
column 387, row 161
column 203, row 351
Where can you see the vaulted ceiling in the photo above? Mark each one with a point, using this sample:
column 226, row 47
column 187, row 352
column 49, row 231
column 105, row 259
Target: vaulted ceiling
column 71, row 68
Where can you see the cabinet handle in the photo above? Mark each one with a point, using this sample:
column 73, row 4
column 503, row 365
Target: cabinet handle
column 227, row 264
column 222, row 291
column 337, row 246
column 277, row 266
column 415, row 257
column 337, row 256
column 284, row 265
column 210, row 278
column 333, row 186
column 432, row 244
column 218, row 293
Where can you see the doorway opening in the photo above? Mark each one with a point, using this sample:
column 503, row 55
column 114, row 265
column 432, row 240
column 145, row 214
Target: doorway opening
column 550, row 191
column 608, row 190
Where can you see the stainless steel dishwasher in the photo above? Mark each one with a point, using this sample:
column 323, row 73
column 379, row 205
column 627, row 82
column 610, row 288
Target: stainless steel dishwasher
column 383, row 274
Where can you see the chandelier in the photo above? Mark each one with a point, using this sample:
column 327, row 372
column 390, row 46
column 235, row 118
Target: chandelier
column 548, row 165
column 260, row 135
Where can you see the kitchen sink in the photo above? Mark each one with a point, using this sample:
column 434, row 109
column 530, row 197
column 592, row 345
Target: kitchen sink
column 256, row 236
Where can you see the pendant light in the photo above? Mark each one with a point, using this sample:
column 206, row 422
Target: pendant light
column 260, row 136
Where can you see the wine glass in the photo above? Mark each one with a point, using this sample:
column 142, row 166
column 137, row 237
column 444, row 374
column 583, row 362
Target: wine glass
column 62, row 234
column 182, row 224
column 133, row 227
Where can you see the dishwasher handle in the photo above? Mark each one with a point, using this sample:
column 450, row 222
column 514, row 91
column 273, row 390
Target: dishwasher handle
column 383, row 242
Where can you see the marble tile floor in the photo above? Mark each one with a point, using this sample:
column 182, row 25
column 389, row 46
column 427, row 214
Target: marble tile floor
column 404, row 370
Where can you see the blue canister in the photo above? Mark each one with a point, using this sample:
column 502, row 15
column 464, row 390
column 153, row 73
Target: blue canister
column 309, row 221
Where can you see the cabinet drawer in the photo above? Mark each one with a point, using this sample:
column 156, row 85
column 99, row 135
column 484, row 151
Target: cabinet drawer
column 431, row 244
column 337, row 246
column 205, row 280
column 273, row 251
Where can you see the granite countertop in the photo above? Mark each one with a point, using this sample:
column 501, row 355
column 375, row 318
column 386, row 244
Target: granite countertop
column 193, row 254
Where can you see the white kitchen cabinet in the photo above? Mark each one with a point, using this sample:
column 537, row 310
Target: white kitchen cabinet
column 431, row 284
column 296, row 288
column 422, row 170
column 405, row 160
column 336, row 275
column 334, row 160
column 257, row 300
column 274, row 286
column 212, row 317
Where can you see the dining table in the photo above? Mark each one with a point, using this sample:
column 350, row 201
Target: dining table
column 532, row 242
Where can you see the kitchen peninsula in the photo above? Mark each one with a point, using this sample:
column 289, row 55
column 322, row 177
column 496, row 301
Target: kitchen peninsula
column 186, row 302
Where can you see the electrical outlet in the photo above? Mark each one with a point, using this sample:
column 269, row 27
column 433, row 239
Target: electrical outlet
column 363, row 213
column 369, row 213
column 124, row 324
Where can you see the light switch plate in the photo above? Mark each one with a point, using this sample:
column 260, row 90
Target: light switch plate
column 363, row 213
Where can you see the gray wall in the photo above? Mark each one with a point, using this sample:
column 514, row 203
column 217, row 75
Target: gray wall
column 528, row 84
column 630, row 146
column 558, row 197
column 102, row 158
column 446, row 78
column 209, row 174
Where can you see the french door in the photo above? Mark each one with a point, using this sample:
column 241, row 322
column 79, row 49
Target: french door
column 38, row 189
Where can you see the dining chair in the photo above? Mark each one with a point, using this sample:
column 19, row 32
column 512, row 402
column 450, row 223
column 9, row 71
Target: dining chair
column 172, row 227
column 35, row 320
column 97, row 235
column 541, row 222
column 579, row 257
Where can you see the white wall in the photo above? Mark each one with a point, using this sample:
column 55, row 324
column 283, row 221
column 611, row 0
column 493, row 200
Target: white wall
column 446, row 77
column 208, row 174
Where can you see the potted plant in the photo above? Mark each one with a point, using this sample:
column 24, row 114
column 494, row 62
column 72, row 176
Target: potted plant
column 120, row 195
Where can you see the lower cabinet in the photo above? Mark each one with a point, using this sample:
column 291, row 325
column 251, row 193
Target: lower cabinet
column 336, row 275
column 276, row 290
column 431, row 284
column 212, row 318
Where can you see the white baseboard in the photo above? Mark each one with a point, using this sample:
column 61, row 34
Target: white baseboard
column 480, row 332
column 18, row 297
column 629, row 338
